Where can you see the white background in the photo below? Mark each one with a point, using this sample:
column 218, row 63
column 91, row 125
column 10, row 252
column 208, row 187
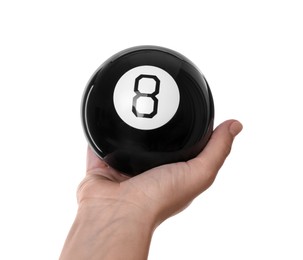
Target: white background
column 252, row 56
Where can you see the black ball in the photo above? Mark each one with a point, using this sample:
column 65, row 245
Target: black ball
column 147, row 106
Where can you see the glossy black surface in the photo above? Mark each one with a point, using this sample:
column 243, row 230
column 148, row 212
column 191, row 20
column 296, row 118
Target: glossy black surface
column 131, row 150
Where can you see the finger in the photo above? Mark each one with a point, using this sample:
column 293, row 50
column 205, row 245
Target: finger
column 97, row 167
column 206, row 165
column 93, row 162
column 219, row 145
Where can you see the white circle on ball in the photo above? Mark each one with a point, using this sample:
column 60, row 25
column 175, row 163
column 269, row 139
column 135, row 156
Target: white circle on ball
column 146, row 97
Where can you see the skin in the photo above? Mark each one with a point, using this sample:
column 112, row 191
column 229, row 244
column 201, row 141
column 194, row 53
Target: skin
column 117, row 215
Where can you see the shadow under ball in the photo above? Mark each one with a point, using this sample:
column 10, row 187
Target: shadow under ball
column 147, row 106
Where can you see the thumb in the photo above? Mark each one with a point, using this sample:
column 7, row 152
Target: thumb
column 204, row 168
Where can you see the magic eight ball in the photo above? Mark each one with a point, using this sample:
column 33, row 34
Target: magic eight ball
column 147, row 106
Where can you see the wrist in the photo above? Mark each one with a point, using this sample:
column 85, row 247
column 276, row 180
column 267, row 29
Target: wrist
column 108, row 212
column 104, row 231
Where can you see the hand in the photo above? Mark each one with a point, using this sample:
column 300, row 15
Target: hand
column 118, row 214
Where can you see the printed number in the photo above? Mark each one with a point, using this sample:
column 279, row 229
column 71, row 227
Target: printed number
column 152, row 95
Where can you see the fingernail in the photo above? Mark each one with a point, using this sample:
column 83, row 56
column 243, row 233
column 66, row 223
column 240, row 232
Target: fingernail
column 235, row 128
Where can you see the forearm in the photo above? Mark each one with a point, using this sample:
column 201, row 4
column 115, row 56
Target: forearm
column 107, row 234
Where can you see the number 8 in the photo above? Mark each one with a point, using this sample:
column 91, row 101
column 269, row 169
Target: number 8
column 149, row 95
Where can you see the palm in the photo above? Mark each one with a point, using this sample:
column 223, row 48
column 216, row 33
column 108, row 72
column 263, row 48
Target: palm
column 164, row 190
column 145, row 191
